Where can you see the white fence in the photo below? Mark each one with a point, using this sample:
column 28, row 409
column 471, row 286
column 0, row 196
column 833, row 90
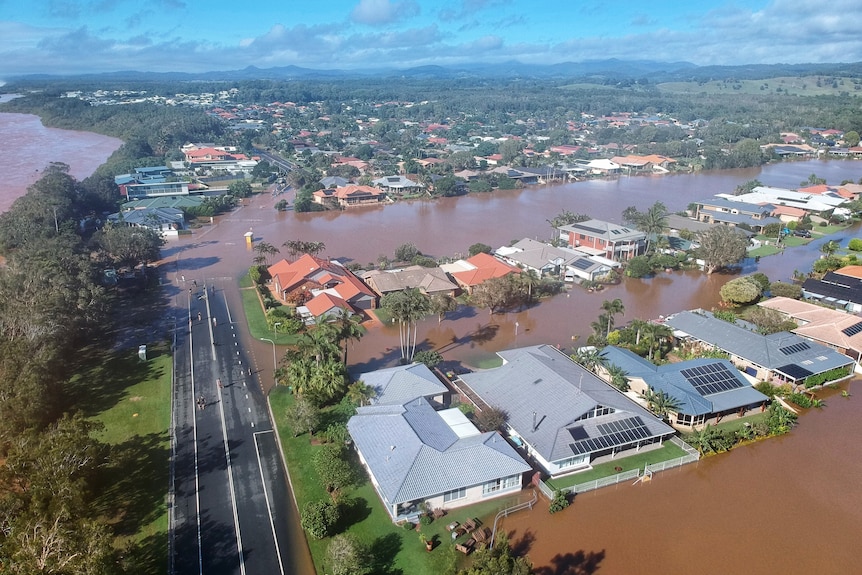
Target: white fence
column 691, row 455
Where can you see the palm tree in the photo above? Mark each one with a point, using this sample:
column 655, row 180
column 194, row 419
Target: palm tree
column 829, row 248
column 618, row 377
column 529, row 278
column 348, row 327
column 705, row 439
column 638, row 326
column 265, row 249
column 407, row 307
column 653, row 221
column 656, row 333
column 611, row 309
column 590, row 358
column 359, row 393
column 661, row 403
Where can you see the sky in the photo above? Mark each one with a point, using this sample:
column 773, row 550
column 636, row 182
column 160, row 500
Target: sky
column 82, row 36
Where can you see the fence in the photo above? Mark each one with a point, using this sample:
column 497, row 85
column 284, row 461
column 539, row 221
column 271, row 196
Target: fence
column 691, row 455
column 509, row 510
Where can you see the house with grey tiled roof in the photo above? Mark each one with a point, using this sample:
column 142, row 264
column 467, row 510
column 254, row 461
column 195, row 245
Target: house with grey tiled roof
column 781, row 357
column 705, row 389
column 418, row 458
column 564, row 416
column 722, row 210
column 616, row 242
column 396, row 385
column 429, row 281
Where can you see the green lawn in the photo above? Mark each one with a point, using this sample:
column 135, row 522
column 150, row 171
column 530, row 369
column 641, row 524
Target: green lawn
column 257, row 325
column 395, row 549
column 133, row 400
column 666, row 452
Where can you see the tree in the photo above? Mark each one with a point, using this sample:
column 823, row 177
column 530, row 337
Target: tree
column 429, row 357
column 855, row 245
column 319, row 518
column 498, row 293
column 360, row 393
column 638, row 267
column 655, row 334
column 618, row 376
column 130, row 246
column 611, row 309
column 851, row 139
column 265, row 250
column 296, row 247
column 740, row 291
column 661, row 403
column 782, row 289
column 747, row 187
column 705, row 440
column 829, row 248
column 406, row 307
column 590, row 358
column 769, row 320
column 529, row 279
column 348, row 327
column 498, row 559
column 491, row 419
column 333, row 468
column 441, row 304
column 348, row 556
column 721, row 246
column 564, row 218
column 239, row 189
column 304, row 416
column 652, row 222
column 479, row 248
column 406, row 252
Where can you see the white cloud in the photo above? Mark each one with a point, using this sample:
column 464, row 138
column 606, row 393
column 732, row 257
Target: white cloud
column 377, row 12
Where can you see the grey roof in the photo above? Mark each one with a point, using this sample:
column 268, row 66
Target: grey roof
column 541, row 384
column 783, row 352
column 413, row 454
column 397, row 385
column 606, row 230
column 670, row 379
column 837, row 286
column 149, row 217
column 334, row 182
column 677, row 222
column 428, row 280
column 538, row 255
column 741, row 207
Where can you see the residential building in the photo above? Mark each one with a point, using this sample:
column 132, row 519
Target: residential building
column 839, row 330
column 419, row 458
column 563, row 416
column 780, row 358
column 150, row 182
column 721, row 210
column 545, row 259
column 836, row 289
column 302, row 282
column 616, row 242
column 474, row 270
column 705, row 390
column 430, row 281
column 167, row 221
column 349, row 196
column 397, row 184
column 403, row 383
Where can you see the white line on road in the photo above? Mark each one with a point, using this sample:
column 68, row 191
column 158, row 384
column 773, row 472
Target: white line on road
column 266, row 497
column 195, row 438
column 230, row 482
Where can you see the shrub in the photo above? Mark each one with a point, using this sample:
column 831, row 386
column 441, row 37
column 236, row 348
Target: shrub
column 638, row 267
column 426, row 519
column 408, row 526
column 855, row 245
column 559, row 502
column 320, row 517
column 740, row 291
column 782, row 289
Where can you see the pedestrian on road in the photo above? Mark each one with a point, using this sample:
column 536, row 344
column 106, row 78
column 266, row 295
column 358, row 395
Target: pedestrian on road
column 195, row 283
column 202, row 403
column 199, row 316
column 218, row 381
column 214, row 322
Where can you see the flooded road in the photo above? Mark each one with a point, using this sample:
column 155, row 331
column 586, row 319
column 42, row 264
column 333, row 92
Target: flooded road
column 788, row 505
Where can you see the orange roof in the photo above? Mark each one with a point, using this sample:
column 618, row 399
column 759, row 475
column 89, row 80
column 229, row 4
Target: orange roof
column 289, row 276
column 850, row 271
column 788, row 211
column 324, row 302
column 487, row 267
column 354, row 190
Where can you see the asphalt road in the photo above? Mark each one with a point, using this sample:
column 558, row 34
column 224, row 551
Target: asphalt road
column 231, row 502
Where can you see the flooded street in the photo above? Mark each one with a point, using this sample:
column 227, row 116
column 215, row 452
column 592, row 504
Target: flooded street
column 789, row 505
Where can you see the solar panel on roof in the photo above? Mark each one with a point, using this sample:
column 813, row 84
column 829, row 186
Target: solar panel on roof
column 795, row 371
column 853, row 329
column 795, row 348
column 588, row 228
column 613, row 434
column 711, row 378
column 582, row 263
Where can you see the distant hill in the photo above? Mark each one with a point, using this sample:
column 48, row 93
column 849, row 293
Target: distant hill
column 595, row 70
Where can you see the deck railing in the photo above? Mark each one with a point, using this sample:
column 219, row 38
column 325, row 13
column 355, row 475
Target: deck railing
column 508, row 511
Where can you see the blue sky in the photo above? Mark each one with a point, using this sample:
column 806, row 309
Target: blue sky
column 76, row 36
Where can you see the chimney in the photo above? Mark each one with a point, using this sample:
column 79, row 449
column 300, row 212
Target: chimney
column 534, row 421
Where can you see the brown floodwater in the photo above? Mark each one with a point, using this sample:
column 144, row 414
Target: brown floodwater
column 790, row 504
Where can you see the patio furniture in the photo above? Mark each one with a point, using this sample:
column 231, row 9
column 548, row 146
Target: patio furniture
column 438, row 513
column 481, row 535
column 470, row 524
column 465, row 547
column 452, row 526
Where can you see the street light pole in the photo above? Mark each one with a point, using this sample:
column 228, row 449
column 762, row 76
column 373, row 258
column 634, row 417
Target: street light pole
column 274, row 360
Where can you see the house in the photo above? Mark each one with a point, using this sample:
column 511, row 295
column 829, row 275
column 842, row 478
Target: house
column 397, row 385
column 811, row 203
column 419, row 458
column 840, row 290
column 602, row 167
column 149, row 182
column 397, row 184
column 781, row 357
column 167, row 221
column 721, row 210
column 705, row 390
column 349, row 196
column 334, row 182
column 308, row 278
column 615, row 242
column 643, row 164
column 474, row 270
column 839, row 330
column 429, row 281
column 546, row 259
column 564, row 416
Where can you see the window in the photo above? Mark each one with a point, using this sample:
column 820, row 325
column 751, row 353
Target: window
column 460, row 493
column 573, row 461
column 501, row 484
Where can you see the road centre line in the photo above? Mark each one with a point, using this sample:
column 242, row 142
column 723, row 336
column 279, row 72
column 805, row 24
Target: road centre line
column 266, row 498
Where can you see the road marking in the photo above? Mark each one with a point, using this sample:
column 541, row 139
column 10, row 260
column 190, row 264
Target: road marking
column 266, row 498
column 195, row 439
column 232, row 490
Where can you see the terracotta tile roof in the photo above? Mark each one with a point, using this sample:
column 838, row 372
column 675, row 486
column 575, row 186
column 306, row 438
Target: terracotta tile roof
column 819, row 323
column 486, row 267
column 851, row 271
column 324, row 302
